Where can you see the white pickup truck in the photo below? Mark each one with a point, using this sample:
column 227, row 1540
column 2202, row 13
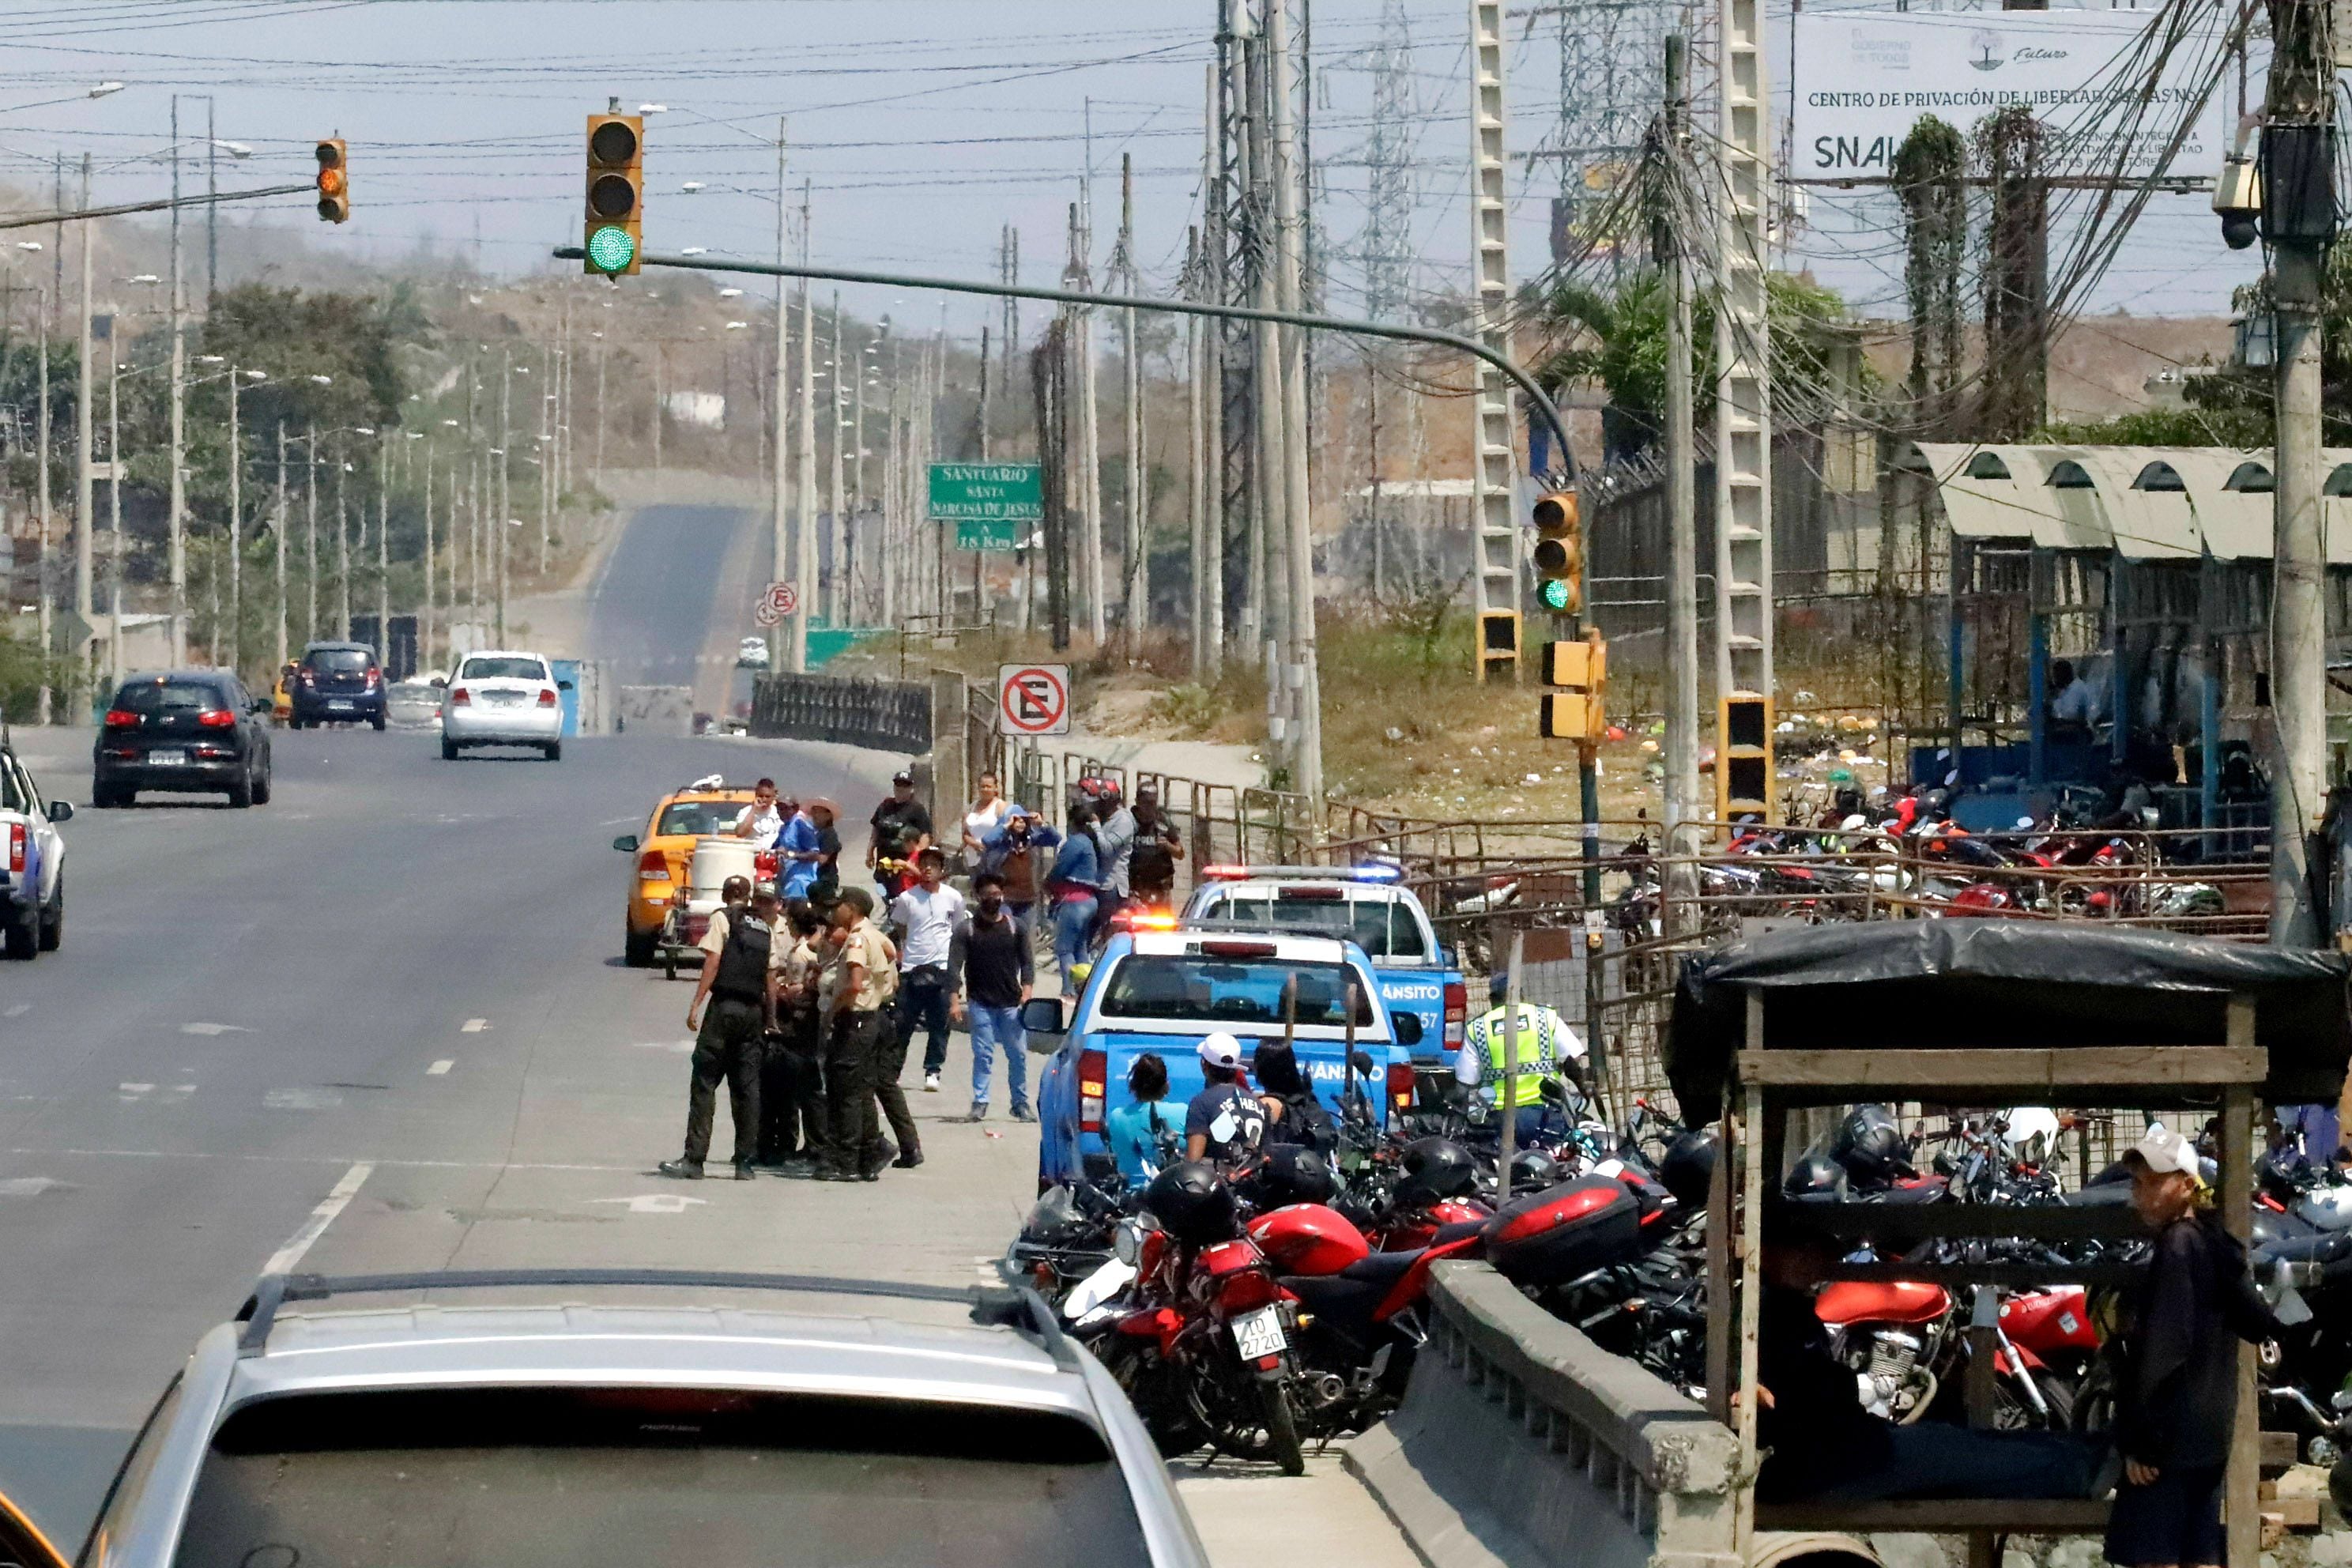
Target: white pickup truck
column 32, row 861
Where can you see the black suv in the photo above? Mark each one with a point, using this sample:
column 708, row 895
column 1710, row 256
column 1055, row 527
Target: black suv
column 337, row 683
column 183, row 729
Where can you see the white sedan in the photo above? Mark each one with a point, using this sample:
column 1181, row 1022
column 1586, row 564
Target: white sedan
column 502, row 698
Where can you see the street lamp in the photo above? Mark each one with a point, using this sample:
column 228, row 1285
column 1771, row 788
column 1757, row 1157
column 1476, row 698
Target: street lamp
column 237, row 150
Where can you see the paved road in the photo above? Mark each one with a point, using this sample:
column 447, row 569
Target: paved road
column 381, row 1023
column 651, row 610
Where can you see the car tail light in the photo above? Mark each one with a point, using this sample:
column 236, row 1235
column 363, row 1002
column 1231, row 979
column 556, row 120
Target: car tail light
column 1094, row 1073
column 1457, row 1011
column 374, row 675
column 653, row 865
column 1401, row 1087
column 16, row 847
column 217, row 718
column 121, row 718
column 310, row 678
column 547, row 698
column 460, row 698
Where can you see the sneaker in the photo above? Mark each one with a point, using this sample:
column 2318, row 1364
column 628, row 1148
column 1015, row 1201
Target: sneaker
column 1022, row 1113
column 906, row 1162
column 745, row 1172
column 683, row 1169
column 931, row 1083
column 978, row 1111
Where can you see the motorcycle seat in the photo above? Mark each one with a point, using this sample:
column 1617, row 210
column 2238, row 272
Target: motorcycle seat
column 1381, row 1268
column 1460, row 1230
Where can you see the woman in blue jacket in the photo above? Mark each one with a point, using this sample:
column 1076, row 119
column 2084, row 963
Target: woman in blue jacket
column 1075, row 889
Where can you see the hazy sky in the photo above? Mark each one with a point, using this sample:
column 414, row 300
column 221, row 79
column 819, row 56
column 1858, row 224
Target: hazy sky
column 925, row 125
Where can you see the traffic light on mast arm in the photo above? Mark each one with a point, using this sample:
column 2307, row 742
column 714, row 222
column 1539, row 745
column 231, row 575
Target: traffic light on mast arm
column 1560, row 552
column 615, row 194
column 334, row 182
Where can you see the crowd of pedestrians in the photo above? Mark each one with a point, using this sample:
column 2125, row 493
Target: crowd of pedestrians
column 811, row 996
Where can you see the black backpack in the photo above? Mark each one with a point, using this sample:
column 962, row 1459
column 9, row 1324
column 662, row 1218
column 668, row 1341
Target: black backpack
column 743, row 959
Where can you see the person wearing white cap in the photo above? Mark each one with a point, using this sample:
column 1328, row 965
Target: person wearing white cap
column 1225, row 1122
column 2177, row 1399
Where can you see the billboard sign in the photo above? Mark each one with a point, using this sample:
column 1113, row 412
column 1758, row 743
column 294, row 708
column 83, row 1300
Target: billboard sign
column 1865, row 77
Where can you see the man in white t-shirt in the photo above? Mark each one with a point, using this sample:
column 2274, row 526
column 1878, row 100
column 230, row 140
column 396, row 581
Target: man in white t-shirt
column 762, row 820
column 926, row 916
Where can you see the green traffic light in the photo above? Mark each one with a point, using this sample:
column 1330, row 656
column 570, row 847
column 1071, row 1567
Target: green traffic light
column 1554, row 593
column 610, row 249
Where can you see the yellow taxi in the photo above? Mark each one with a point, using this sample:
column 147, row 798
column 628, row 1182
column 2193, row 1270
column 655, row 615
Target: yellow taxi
column 662, row 852
column 282, row 696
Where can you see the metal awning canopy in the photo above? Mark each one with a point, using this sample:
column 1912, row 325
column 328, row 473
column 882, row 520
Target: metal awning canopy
column 2143, row 503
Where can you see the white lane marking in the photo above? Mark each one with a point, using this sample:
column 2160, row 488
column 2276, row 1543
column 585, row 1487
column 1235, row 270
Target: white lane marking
column 616, row 822
column 302, row 1100
column 29, row 1186
column 680, row 1046
column 214, row 1029
column 133, row 1090
column 16, row 1010
column 440, row 1068
column 473, row 1025
column 283, row 1260
column 655, row 1203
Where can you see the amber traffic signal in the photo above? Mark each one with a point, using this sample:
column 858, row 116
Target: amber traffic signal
column 615, row 194
column 1743, row 756
column 334, row 181
column 1582, row 667
column 1560, row 552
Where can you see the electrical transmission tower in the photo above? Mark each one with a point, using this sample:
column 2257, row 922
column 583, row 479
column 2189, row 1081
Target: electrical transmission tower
column 1612, row 53
column 1388, row 220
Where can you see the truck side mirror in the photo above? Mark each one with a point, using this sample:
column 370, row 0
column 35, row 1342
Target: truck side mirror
column 60, row 811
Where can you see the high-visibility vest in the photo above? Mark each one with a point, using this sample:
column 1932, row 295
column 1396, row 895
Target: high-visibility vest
column 1543, row 1036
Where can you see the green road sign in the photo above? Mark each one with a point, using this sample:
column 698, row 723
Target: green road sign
column 994, row 506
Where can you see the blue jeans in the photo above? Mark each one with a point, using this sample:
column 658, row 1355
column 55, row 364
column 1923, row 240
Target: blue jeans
column 993, row 1026
column 1073, row 923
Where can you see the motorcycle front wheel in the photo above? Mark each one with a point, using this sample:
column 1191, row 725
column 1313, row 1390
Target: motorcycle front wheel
column 1248, row 1417
column 1158, row 1391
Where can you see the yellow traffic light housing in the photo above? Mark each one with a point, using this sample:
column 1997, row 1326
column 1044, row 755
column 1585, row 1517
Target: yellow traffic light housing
column 1743, row 756
column 334, row 181
column 1582, row 666
column 615, row 194
column 1560, row 552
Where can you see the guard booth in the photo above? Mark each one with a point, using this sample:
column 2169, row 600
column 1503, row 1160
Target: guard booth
column 1979, row 1014
column 2143, row 570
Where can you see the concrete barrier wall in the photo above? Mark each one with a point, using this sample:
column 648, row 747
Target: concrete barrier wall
column 1521, row 1443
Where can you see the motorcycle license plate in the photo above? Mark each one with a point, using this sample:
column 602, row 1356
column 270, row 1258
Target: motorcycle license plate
column 1259, row 1333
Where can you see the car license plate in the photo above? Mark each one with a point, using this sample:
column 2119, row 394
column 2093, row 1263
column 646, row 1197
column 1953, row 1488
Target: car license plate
column 167, row 759
column 503, row 699
column 1259, row 1333
column 339, row 705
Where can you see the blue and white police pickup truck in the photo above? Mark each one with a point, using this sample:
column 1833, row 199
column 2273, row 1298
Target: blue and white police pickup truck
column 1363, row 904
column 1164, row 992
column 32, row 861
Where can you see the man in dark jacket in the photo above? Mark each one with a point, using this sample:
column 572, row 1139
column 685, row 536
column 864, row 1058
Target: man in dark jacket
column 989, row 975
column 741, row 957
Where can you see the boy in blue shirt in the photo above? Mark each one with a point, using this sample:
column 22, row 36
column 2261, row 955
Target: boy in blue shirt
column 1142, row 1136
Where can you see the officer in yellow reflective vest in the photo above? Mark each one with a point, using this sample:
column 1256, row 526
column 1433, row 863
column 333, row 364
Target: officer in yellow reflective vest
column 1548, row 1048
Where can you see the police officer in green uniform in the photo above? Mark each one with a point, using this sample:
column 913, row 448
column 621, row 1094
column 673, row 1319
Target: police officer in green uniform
column 1548, row 1048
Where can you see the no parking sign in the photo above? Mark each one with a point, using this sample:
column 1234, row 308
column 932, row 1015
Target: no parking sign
column 1033, row 699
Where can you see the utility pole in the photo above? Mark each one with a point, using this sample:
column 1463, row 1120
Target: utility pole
column 178, row 504
column 804, row 472
column 836, row 604
column 1090, row 535
column 779, row 536
column 48, row 531
column 382, row 548
column 1208, row 589
column 310, row 529
column 113, row 500
column 505, row 489
column 85, row 493
column 342, row 541
column 980, row 557
column 1496, row 532
column 2298, row 221
column 1300, row 674
column 550, row 471
column 425, row 628
column 277, row 550
column 212, row 213
column 236, row 532
column 1136, row 499
column 1682, row 785
column 1263, row 617
column 1743, row 397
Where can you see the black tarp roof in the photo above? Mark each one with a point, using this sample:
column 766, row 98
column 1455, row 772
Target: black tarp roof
column 1954, row 983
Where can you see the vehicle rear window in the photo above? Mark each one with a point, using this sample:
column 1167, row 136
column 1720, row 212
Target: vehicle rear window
column 654, row 1478
column 503, row 670
column 1383, row 928
column 1211, row 990
column 339, row 660
column 168, row 696
column 684, row 816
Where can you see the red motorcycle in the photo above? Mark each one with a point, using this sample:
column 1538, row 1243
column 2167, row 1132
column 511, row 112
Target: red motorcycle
column 1204, row 1352
column 1906, row 1343
column 1359, row 1313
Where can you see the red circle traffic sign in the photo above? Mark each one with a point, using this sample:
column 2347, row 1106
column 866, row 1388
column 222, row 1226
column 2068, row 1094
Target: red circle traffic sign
column 1033, row 700
column 782, row 597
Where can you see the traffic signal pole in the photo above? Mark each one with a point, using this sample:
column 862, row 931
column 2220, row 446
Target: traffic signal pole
column 1309, row 767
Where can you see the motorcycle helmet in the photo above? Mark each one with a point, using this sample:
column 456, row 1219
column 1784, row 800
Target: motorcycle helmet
column 1292, row 1174
column 1817, row 1178
column 1532, row 1171
column 1192, row 1203
column 1688, row 1167
column 1435, row 1168
column 1871, row 1146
